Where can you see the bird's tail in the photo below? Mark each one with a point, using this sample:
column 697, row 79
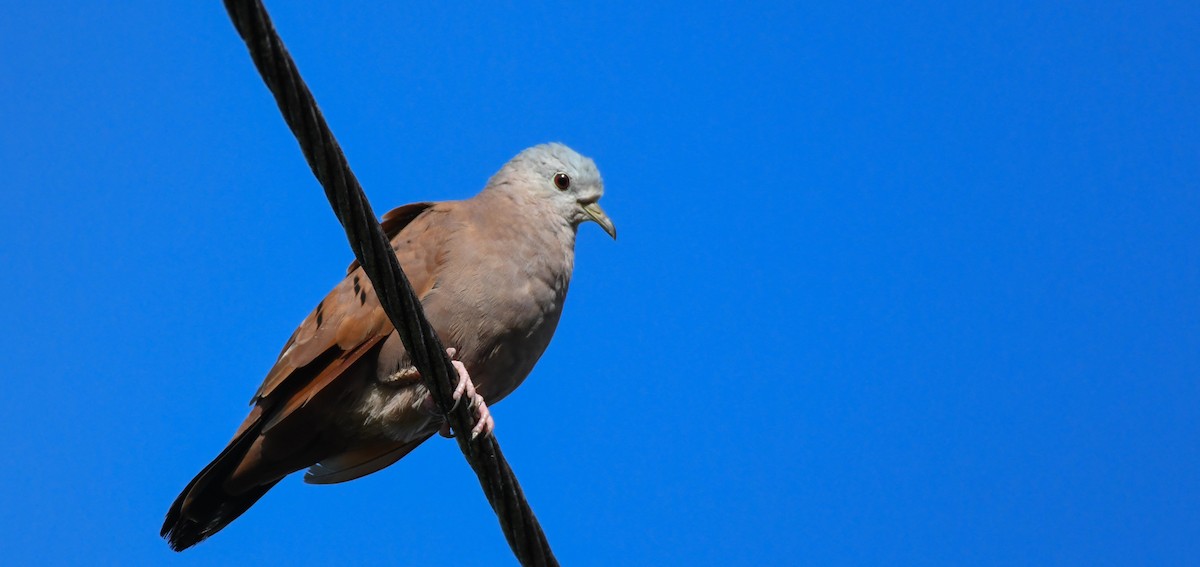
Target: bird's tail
column 207, row 505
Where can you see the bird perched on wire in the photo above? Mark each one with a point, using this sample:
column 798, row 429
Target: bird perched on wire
column 344, row 399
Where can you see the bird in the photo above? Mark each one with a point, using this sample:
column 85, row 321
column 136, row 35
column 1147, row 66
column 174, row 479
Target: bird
column 344, row 400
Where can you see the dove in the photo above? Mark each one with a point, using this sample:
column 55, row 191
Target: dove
column 344, row 400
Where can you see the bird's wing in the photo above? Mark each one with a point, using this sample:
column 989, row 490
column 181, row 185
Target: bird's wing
column 350, row 317
column 300, row 394
column 287, row 428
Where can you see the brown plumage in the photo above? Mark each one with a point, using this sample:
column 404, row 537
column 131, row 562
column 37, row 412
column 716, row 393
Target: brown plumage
column 344, row 400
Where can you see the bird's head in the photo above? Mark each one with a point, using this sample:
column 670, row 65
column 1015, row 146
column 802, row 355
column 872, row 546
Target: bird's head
column 562, row 177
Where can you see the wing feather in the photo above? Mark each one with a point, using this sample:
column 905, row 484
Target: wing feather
column 350, row 316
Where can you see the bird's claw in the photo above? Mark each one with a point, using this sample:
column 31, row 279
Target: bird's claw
column 484, row 425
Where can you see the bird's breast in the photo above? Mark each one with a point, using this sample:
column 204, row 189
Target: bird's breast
column 497, row 301
column 515, row 320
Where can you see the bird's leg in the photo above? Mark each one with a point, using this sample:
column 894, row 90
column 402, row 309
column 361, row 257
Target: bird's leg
column 485, row 425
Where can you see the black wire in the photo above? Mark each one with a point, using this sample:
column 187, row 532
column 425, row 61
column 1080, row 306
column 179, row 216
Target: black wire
column 396, row 296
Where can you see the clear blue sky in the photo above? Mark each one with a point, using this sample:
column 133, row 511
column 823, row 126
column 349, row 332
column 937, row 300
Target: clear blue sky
column 897, row 283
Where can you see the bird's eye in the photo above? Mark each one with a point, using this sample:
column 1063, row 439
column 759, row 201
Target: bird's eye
column 562, row 181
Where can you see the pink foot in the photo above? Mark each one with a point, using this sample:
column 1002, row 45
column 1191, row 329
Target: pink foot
column 485, row 425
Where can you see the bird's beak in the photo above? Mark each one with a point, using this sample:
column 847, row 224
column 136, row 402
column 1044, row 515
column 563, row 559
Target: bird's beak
column 594, row 211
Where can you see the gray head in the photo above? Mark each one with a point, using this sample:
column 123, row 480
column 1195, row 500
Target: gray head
column 559, row 176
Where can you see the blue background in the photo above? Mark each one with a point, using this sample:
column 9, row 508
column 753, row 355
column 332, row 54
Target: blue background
column 897, row 283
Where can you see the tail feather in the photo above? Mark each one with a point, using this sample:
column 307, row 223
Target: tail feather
column 205, row 506
column 360, row 462
column 185, row 528
column 290, row 430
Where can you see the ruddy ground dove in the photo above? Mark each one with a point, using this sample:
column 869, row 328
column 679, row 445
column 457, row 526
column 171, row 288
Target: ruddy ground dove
column 344, row 400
